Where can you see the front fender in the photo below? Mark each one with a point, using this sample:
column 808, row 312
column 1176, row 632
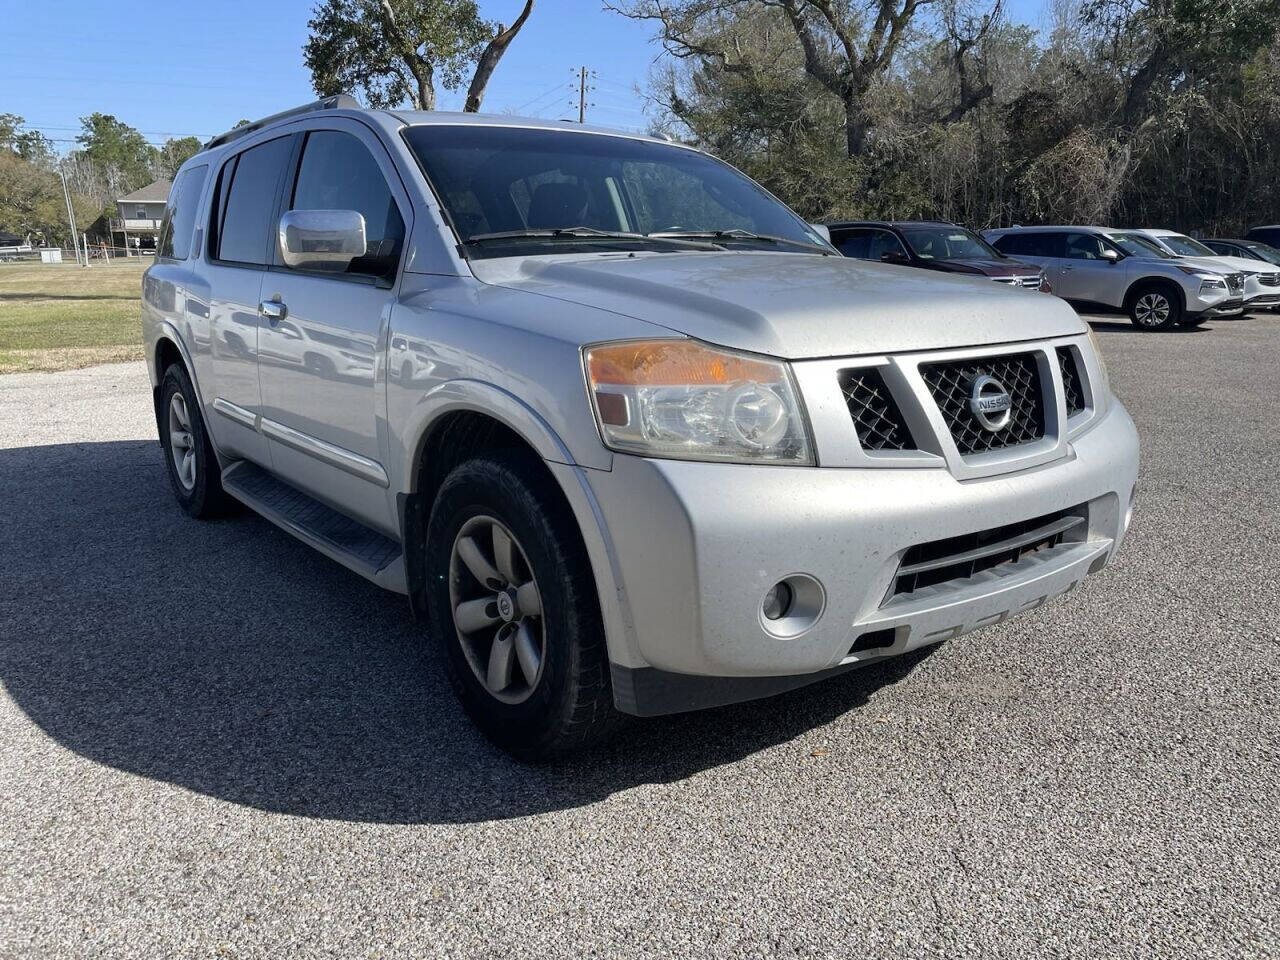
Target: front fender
column 478, row 396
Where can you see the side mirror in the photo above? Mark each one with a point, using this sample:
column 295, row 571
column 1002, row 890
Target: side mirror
column 821, row 230
column 893, row 256
column 322, row 239
column 1111, row 256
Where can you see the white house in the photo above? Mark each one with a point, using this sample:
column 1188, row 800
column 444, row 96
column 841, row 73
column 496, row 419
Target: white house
column 140, row 216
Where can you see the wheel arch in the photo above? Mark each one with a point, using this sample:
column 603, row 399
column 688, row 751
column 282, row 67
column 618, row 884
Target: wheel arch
column 1155, row 280
column 461, row 419
column 170, row 349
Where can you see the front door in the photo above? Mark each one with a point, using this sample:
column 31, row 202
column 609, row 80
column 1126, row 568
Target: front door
column 1085, row 274
column 239, row 228
column 322, row 344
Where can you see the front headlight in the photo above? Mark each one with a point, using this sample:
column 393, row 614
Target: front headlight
column 691, row 401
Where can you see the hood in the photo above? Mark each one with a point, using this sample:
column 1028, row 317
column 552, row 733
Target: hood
column 794, row 306
column 993, row 268
column 1230, row 264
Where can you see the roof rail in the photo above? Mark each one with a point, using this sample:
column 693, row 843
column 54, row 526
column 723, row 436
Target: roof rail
column 337, row 102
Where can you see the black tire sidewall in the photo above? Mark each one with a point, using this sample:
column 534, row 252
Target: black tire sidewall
column 500, row 487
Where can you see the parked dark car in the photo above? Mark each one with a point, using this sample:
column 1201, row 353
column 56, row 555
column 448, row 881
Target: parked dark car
column 1247, row 249
column 934, row 245
column 1268, row 235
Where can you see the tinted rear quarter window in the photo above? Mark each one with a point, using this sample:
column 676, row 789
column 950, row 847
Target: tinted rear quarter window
column 180, row 214
column 254, row 177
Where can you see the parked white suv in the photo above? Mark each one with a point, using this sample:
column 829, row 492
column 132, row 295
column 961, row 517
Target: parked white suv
column 1261, row 280
column 1103, row 268
column 629, row 434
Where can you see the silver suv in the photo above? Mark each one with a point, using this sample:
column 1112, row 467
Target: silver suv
column 630, row 436
column 1098, row 267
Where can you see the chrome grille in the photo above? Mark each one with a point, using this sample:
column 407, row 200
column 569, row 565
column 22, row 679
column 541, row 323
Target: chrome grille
column 1269, row 279
column 1071, row 385
column 951, row 384
column 1030, row 282
column 875, row 413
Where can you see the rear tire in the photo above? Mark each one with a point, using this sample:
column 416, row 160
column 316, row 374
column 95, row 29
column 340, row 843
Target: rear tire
column 513, row 603
column 193, row 468
column 1154, row 306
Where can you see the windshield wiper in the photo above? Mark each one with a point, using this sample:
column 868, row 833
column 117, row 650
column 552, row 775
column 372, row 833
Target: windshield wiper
column 587, row 233
column 739, row 234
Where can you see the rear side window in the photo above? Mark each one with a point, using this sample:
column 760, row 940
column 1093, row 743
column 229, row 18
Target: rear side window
column 339, row 173
column 248, row 186
column 854, row 244
column 180, row 214
column 1032, row 244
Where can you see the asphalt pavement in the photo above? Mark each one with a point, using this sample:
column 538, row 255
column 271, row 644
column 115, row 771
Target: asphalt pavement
column 215, row 742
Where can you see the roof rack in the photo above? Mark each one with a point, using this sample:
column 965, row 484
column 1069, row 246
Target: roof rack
column 337, row 102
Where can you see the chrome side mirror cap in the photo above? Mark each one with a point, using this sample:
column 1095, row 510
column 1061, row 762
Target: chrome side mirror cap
column 821, row 230
column 322, row 239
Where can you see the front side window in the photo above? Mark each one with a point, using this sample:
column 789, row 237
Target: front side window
column 180, row 214
column 948, row 243
column 248, row 188
column 524, row 185
column 1136, row 245
column 1084, row 246
column 339, row 173
column 1263, row 252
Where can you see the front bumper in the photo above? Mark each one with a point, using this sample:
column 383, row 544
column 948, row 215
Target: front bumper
column 695, row 547
column 1228, row 307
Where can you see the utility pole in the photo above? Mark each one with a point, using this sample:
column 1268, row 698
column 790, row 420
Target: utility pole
column 582, row 94
column 71, row 217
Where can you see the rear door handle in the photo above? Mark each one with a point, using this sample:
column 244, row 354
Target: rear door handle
column 273, row 310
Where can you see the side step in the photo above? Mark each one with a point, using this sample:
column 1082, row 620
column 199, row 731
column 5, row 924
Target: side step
column 355, row 546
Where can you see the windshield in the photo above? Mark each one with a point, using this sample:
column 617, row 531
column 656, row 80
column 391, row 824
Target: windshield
column 1269, row 254
column 1186, row 247
column 948, row 243
column 509, row 189
column 1136, row 245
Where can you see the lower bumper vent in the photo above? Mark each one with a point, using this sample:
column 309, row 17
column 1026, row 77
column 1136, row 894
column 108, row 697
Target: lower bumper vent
column 958, row 558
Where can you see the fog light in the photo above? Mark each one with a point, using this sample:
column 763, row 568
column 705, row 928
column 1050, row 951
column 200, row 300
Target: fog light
column 777, row 601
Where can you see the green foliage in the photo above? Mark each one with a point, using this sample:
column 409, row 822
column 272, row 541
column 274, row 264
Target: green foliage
column 1151, row 112
column 393, row 51
column 118, row 148
column 174, row 153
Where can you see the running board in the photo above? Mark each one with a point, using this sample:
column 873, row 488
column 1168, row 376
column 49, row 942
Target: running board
column 354, row 545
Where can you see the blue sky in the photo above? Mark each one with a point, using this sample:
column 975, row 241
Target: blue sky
column 179, row 67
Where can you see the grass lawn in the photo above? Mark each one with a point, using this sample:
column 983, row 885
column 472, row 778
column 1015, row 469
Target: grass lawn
column 60, row 316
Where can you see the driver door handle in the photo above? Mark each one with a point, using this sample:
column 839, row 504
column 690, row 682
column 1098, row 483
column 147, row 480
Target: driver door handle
column 273, row 310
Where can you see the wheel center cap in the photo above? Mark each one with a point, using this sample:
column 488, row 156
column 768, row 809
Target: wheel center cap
column 506, row 607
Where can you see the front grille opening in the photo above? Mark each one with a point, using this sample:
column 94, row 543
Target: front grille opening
column 951, row 384
column 875, row 413
column 958, row 558
column 1071, row 383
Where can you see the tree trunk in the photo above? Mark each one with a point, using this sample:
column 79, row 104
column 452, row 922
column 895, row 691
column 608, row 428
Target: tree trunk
column 856, row 126
column 489, row 59
column 424, row 76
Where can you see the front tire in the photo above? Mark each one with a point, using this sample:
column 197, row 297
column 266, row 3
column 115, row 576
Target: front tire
column 193, row 467
column 512, row 600
column 1154, row 306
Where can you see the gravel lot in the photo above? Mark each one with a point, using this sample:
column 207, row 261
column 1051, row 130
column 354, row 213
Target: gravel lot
column 216, row 742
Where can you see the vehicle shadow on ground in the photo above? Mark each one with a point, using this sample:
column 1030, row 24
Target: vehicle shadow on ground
column 229, row 659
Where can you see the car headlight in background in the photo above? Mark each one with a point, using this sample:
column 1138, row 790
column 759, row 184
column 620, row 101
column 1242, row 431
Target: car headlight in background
column 691, row 401
column 1045, row 285
column 1211, row 284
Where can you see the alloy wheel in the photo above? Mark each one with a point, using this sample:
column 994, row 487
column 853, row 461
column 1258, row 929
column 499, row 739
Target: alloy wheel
column 182, row 446
column 1152, row 309
column 497, row 609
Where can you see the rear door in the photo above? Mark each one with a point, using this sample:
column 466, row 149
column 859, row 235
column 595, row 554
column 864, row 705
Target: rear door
column 239, row 229
column 322, row 362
